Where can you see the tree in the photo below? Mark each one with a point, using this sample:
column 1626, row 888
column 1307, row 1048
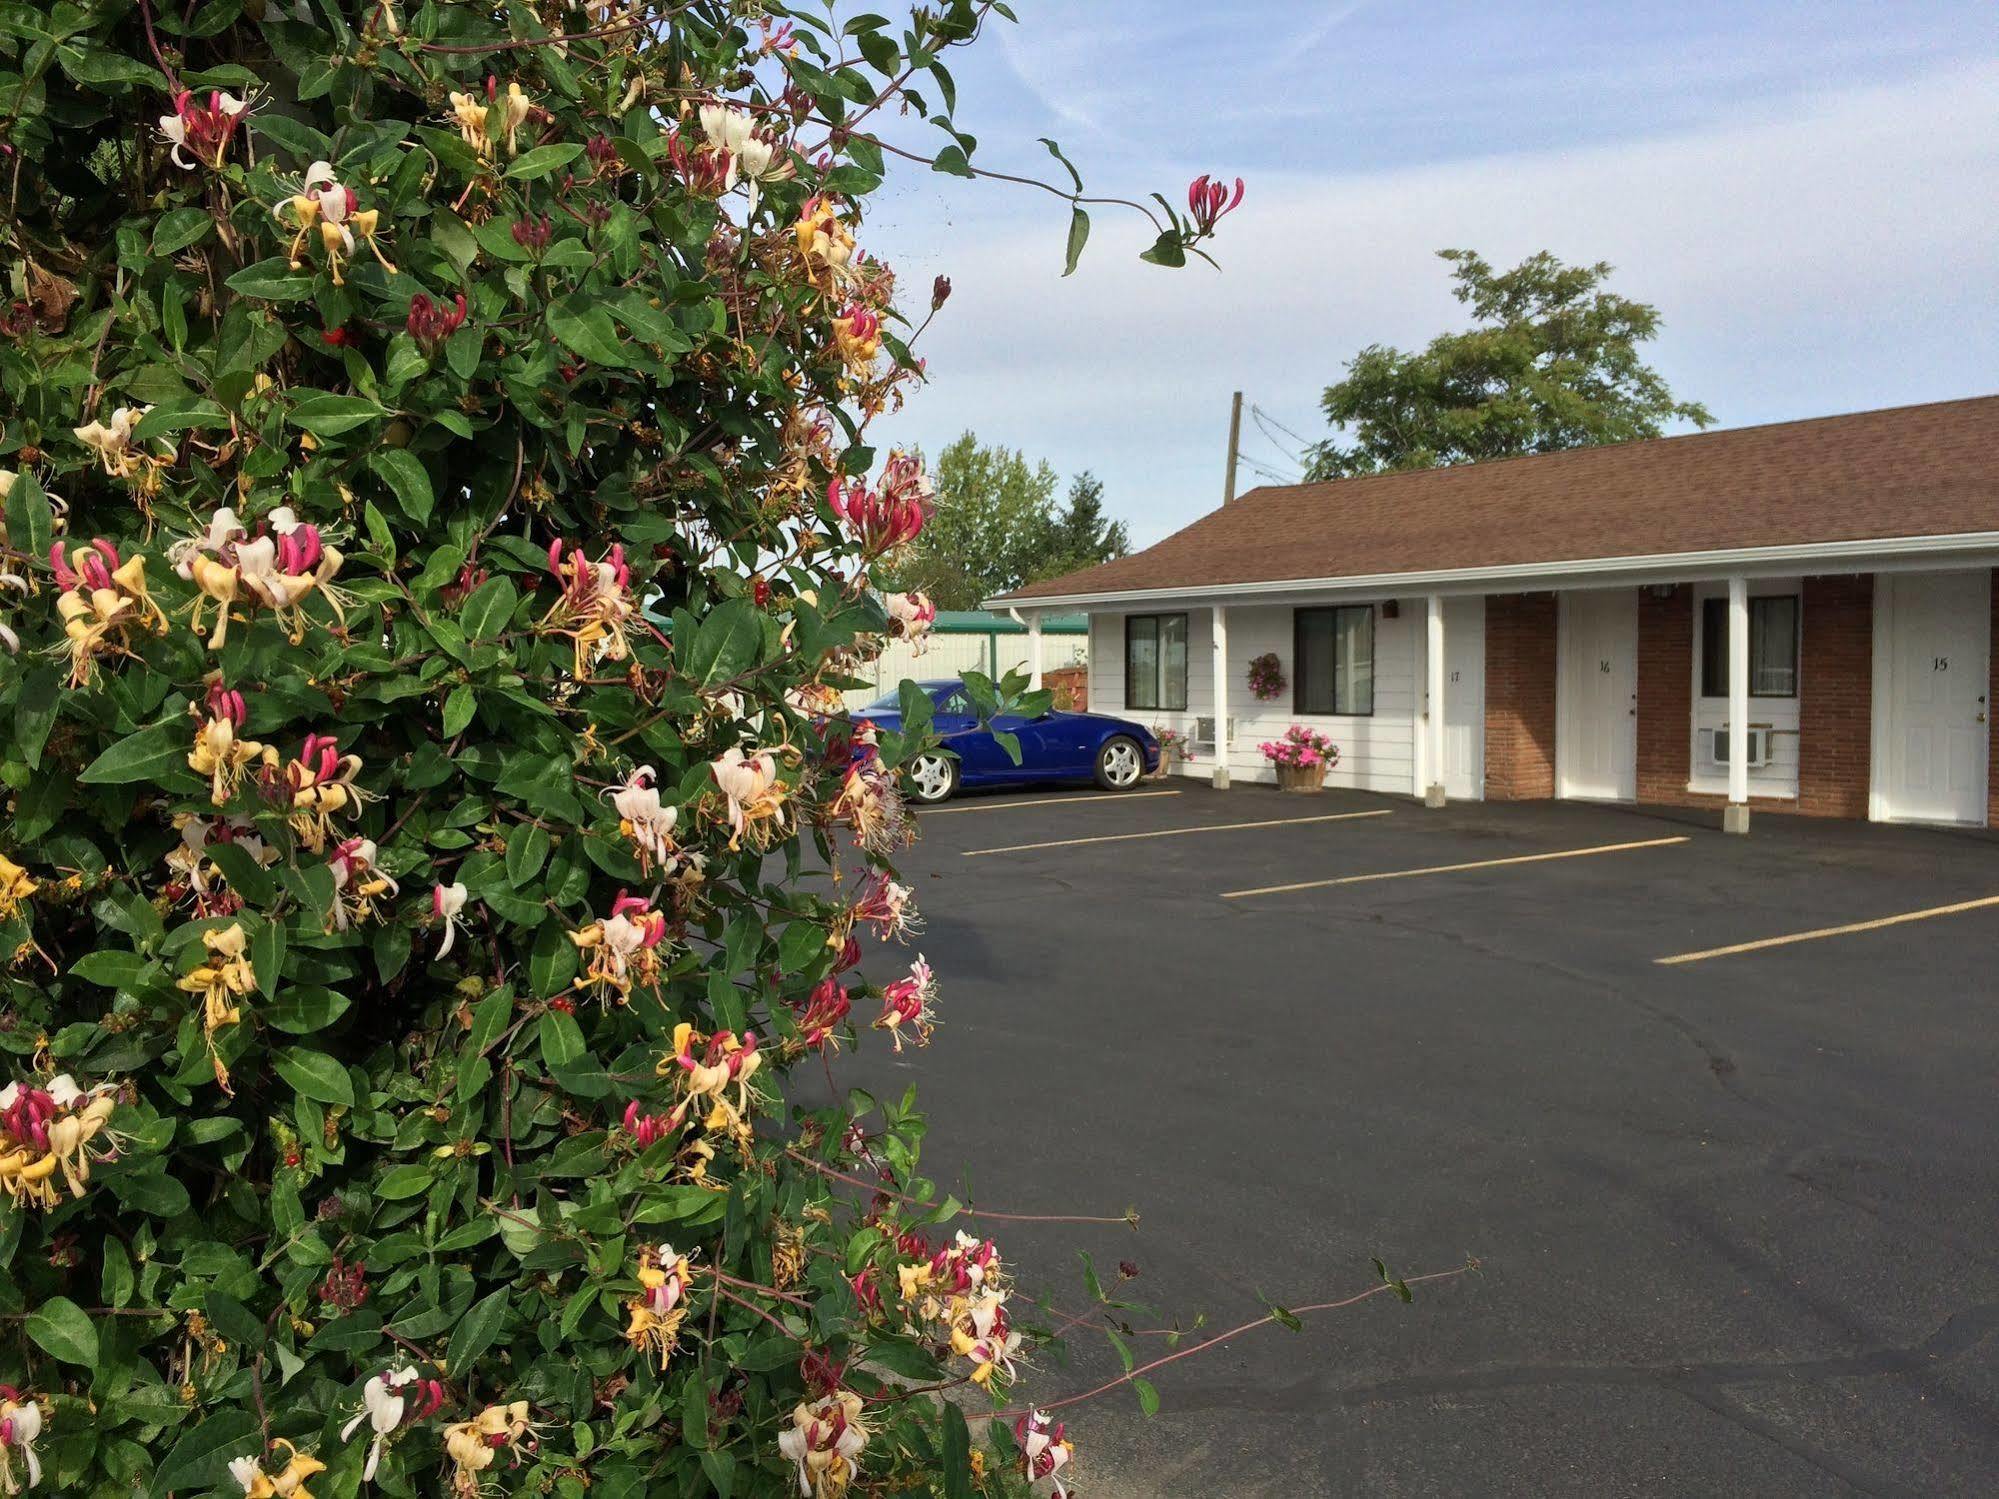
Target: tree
column 1553, row 363
column 423, row 605
column 994, row 522
column 1080, row 536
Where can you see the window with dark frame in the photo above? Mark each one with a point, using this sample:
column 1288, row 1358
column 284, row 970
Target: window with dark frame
column 1333, row 656
column 1773, row 646
column 1155, row 662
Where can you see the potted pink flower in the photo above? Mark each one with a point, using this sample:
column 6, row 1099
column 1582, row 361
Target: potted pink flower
column 1174, row 749
column 1302, row 757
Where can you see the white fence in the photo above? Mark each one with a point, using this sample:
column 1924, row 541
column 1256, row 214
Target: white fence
column 955, row 654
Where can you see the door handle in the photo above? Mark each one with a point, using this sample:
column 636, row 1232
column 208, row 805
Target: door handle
column 1981, row 718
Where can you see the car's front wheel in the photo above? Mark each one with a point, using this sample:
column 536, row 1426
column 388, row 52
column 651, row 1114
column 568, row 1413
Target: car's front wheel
column 1120, row 764
column 932, row 778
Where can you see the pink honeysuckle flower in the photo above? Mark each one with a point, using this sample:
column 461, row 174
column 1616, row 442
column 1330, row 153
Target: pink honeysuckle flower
column 823, row 1011
column 1044, row 1451
column 431, row 323
column 910, row 617
column 447, row 904
column 888, row 515
column 205, row 129
column 886, row 906
column 910, row 1001
column 1210, row 202
column 647, row 1129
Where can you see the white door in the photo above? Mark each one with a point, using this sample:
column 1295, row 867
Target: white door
column 1596, row 733
column 1939, row 629
column 1464, row 699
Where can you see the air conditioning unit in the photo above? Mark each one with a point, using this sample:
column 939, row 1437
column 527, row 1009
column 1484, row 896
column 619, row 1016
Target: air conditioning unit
column 1204, row 733
column 1758, row 746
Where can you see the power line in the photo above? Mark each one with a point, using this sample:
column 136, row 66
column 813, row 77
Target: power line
column 1263, row 416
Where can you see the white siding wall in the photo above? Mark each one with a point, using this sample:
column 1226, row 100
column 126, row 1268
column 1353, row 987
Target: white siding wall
column 1376, row 753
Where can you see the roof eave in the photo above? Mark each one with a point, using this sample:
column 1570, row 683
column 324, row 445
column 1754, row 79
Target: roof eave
column 1874, row 554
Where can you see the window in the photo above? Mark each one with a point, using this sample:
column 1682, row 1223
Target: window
column 1773, row 646
column 1155, row 661
column 1335, row 660
column 957, row 705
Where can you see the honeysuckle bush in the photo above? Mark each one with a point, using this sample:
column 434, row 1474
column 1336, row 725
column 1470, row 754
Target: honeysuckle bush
column 438, row 873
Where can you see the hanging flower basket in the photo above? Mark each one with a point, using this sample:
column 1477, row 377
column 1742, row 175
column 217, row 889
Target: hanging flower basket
column 1266, row 677
column 1301, row 758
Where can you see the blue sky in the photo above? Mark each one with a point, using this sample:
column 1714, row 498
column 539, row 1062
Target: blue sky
column 1807, row 192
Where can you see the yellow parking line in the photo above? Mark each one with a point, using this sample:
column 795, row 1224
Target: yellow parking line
column 1403, row 874
column 1045, row 801
column 1219, row 827
column 1830, row 931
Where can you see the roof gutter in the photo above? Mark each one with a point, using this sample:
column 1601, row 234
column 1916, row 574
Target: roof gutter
column 1900, row 553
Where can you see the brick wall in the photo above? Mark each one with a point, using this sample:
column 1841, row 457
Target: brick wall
column 1070, row 686
column 1835, row 703
column 1836, row 696
column 1520, row 696
column 1665, row 694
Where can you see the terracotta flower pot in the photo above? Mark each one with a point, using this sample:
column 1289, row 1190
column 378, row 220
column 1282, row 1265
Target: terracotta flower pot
column 1301, row 777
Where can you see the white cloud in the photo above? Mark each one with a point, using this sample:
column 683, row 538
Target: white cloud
column 1833, row 254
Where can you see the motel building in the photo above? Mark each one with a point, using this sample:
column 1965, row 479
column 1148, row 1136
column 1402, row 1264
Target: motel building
column 1794, row 618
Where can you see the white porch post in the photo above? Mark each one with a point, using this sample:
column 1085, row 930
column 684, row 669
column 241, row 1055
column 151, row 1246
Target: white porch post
column 1219, row 640
column 1433, row 726
column 1735, row 817
column 1034, row 653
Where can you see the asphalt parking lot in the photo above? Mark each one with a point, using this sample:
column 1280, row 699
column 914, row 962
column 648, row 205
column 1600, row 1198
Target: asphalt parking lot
column 1733, row 1213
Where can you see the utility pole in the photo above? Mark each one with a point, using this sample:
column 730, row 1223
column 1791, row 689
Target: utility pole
column 1235, row 437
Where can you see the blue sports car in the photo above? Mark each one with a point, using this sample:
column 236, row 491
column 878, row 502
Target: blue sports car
column 1114, row 752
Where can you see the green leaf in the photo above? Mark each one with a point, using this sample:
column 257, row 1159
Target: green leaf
column 543, row 160
column 109, row 968
column 315, row 1075
column 273, row 280
column 582, row 324
column 486, row 613
column 30, row 523
column 151, row 1191
column 1167, row 250
column 178, row 417
column 267, row 956
column 957, row 1453
column 1056, row 152
column 200, row 1459
column 459, row 706
column 144, row 756
column 235, row 1321
column 305, row 1008
column 527, row 851
column 729, row 643
column 952, row 160
column 404, row 474
column 561, row 1038
column 694, row 1411
column 179, row 228
column 326, row 415
column 1148, row 1397
column 404, row 1181
column 476, row 1333
column 61, row 1329
column 1079, row 235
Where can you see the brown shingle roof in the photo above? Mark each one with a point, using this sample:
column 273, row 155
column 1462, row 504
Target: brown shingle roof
column 1909, row 471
